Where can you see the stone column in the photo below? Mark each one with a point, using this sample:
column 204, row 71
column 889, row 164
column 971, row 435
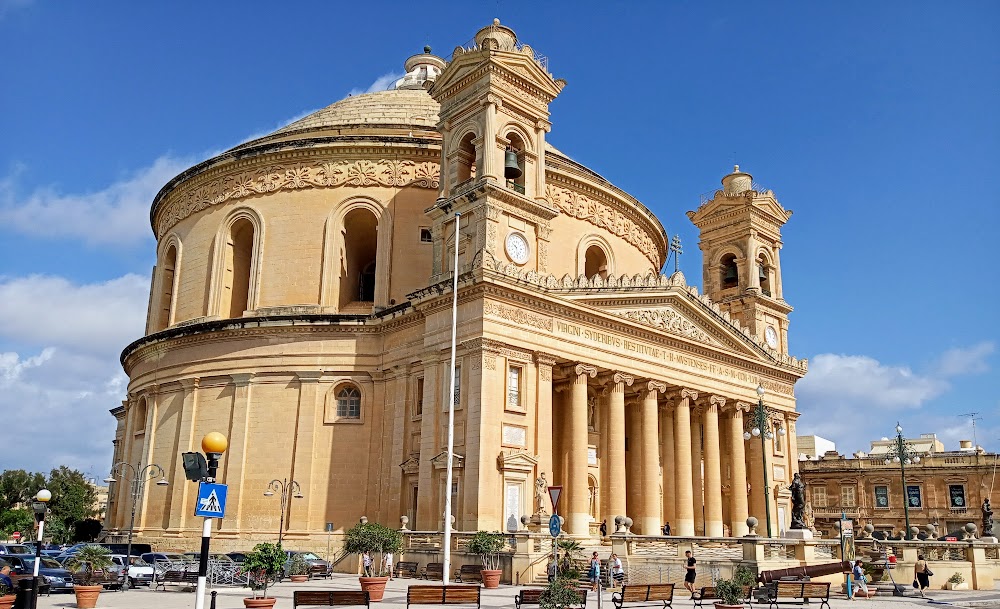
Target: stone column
column 713, row 468
column 490, row 153
column 307, row 425
column 682, row 461
column 543, row 418
column 738, row 509
column 576, row 510
column 667, row 465
column 649, row 446
column 755, row 477
column 697, row 484
column 181, row 493
column 236, row 458
column 616, row 485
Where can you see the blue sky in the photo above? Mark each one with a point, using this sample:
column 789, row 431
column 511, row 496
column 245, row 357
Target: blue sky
column 875, row 122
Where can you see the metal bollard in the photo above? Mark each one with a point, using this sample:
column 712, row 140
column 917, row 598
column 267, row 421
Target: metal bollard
column 211, row 604
column 23, row 598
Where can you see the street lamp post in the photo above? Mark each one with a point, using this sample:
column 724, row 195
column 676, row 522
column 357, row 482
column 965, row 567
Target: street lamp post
column 902, row 452
column 760, row 424
column 137, row 477
column 39, row 506
column 286, row 487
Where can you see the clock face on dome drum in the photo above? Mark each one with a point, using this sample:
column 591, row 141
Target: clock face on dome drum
column 517, row 248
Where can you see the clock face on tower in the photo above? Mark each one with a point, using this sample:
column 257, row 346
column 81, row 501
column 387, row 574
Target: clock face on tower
column 771, row 337
column 517, row 248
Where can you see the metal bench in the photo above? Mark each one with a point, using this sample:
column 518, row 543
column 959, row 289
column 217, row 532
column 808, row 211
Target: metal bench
column 533, row 596
column 325, row 598
column 469, row 573
column 406, row 569
column 434, row 570
column 442, row 595
column 175, row 578
column 787, row 592
column 709, row 593
column 323, row 571
column 656, row 595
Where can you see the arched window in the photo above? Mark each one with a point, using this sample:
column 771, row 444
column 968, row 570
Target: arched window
column 139, row 416
column 764, row 274
column 168, row 271
column 348, row 403
column 357, row 268
column 466, row 159
column 238, row 262
column 595, row 262
column 730, row 271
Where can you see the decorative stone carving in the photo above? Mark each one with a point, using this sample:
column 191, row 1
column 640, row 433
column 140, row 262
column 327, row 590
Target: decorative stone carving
column 518, row 316
column 669, row 320
column 274, row 178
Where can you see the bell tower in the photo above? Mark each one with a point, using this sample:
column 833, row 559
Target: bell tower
column 740, row 241
column 494, row 116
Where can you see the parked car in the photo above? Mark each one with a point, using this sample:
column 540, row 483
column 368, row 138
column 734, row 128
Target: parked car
column 15, row 548
column 54, row 577
column 311, row 558
column 140, row 572
column 138, row 549
column 237, row 556
column 166, row 560
column 196, row 557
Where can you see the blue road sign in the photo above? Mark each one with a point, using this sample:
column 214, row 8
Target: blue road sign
column 554, row 527
column 211, row 500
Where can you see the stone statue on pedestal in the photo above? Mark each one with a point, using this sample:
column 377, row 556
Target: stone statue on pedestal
column 798, row 489
column 541, row 490
column 988, row 519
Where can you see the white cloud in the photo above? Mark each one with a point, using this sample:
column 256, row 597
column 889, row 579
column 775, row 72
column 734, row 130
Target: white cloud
column 117, row 214
column 968, row 360
column 853, row 399
column 97, row 318
column 381, row 83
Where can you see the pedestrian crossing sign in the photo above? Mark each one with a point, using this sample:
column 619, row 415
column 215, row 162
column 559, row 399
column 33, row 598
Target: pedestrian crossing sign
column 211, row 500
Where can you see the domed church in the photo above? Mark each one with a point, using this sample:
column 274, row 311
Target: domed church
column 301, row 304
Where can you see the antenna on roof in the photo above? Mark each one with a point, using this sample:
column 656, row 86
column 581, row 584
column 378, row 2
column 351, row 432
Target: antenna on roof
column 973, row 416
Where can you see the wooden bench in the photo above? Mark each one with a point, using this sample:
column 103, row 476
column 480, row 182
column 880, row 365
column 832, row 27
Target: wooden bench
column 533, row 596
column 442, row 595
column 709, row 593
column 469, row 573
column 406, row 569
column 319, row 571
column 434, row 570
column 781, row 592
column 324, row 598
column 175, row 578
column 657, row 595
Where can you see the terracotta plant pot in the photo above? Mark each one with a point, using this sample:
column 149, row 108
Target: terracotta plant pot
column 725, row 606
column 86, row 596
column 6, row 602
column 252, row 603
column 374, row 586
column 491, row 578
column 298, row 579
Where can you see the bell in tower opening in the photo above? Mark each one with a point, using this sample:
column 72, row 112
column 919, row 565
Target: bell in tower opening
column 511, row 167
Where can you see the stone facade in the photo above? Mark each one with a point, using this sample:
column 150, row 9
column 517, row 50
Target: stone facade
column 301, row 305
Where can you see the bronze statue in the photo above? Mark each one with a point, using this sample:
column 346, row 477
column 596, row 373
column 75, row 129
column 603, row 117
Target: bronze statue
column 798, row 489
column 987, row 519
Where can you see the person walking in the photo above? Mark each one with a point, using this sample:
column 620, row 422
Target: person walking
column 387, row 563
column 666, row 530
column 921, row 574
column 366, row 564
column 550, row 570
column 594, row 573
column 604, row 528
column 860, row 582
column 617, row 571
column 690, row 572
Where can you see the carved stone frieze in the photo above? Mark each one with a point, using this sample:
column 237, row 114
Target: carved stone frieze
column 518, row 316
column 604, row 216
column 669, row 320
column 295, row 176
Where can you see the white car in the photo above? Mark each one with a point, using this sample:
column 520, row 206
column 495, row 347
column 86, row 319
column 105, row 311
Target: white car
column 140, row 572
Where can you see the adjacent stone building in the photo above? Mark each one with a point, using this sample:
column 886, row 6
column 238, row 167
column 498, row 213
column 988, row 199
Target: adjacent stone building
column 945, row 488
column 301, row 305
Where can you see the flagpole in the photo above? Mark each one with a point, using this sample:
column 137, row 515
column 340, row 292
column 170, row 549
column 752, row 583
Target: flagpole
column 451, row 412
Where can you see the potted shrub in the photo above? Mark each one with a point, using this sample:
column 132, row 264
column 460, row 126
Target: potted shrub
column 87, row 562
column 373, row 540
column 561, row 593
column 265, row 564
column 730, row 594
column 956, row 582
column 7, row 596
column 488, row 546
column 298, row 568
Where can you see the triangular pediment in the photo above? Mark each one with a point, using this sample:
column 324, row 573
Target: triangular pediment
column 441, row 460
column 516, row 460
column 519, row 64
column 723, row 204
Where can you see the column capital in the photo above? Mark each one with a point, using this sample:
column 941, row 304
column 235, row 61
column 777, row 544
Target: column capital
column 715, row 403
column 242, row 379
column 656, row 386
column 191, row 383
column 544, row 359
column 581, row 370
column 744, row 406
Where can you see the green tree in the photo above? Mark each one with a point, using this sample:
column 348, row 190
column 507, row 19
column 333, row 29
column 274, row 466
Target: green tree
column 18, row 488
column 87, row 530
column 72, row 498
column 16, row 520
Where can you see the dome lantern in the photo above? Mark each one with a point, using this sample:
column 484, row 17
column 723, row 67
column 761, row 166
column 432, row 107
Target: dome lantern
column 737, row 182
